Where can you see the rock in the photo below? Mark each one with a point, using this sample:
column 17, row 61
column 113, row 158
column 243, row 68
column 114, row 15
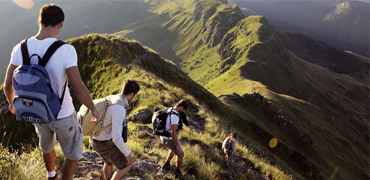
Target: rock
column 143, row 116
column 145, row 166
column 145, row 128
column 134, row 178
column 236, row 95
column 89, row 166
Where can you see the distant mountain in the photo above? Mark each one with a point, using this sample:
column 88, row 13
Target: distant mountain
column 342, row 24
column 322, row 91
column 312, row 97
column 82, row 17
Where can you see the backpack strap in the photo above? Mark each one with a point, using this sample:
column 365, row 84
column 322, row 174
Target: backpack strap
column 62, row 98
column 25, row 55
column 45, row 59
column 109, row 102
column 51, row 50
column 231, row 142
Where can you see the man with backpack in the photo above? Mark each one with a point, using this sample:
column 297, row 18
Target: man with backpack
column 228, row 146
column 42, row 97
column 109, row 144
column 170, row 140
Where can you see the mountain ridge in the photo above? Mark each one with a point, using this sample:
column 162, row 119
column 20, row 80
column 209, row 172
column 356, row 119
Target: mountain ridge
column 270, row 68
column 105, row 61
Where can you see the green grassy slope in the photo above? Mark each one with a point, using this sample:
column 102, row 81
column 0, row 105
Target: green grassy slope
column 106, row 61
column 220, row 49
column 342, row 24
column 318, row 101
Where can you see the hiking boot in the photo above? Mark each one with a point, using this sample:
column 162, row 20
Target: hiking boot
column 178, row 173
column 166, row 166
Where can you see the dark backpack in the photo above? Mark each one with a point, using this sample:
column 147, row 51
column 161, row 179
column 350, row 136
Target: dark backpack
column 159, row 122
column 35, row 101
column 229, row 143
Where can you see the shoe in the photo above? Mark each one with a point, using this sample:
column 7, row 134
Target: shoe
column 166, row 166
column 178, row 173
column 53, row 178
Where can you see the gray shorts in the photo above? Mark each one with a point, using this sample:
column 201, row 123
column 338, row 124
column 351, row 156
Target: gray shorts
column 67, row 131
column 171, row 145
column 110, row 153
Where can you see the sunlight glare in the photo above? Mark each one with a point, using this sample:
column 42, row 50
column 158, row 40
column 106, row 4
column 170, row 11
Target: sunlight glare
column 26, row 4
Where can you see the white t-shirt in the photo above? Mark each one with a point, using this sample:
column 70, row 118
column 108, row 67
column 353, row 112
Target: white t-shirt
column 115, row 115
column 65, row 57
column 174, row 120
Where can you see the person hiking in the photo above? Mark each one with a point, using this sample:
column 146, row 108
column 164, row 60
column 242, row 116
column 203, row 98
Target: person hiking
column 172, row 141
column 61, row 65
column 228, row 146
column 109, row 144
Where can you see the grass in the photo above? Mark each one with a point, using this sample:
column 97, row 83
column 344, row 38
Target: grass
column 106, row 61
column 27, row 165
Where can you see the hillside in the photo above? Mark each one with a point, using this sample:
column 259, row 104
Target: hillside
column 105, row 61
column 321, row 95
column 341, row 24
column 315, row 97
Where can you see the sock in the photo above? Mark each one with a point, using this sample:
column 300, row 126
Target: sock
column 52, row 174
column 167, row 163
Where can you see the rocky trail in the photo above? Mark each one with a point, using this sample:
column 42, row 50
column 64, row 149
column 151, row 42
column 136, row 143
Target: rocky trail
column 90, row 165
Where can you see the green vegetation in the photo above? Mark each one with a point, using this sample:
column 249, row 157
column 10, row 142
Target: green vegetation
column 252, row 55
column 319, row 100
column 106, row 61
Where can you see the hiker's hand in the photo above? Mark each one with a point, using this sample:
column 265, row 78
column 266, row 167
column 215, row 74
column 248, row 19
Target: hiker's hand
column 95, row 115
column 11, row 108
column 130, row 160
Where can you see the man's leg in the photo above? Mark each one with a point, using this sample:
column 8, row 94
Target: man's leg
column 120, row 173
column 47, row 141
column 69, row 135
column 68, row 169
column 107, row 171
column 49, row 159
column 227, row 160
column 179, row 160
column 170, row 156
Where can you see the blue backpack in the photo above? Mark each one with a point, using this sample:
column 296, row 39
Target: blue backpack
column 35, row 101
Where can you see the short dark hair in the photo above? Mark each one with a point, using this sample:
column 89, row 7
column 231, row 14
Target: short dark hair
column 130, row 86
column 183, row 103
column 51, row 15
column 233, row 134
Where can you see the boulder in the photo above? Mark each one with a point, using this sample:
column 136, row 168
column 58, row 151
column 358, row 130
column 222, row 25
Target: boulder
column 143, row 116
column 145, row 166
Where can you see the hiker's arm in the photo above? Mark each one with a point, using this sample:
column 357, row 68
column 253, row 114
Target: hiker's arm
column 224, row 143
column 8, row 87
column 174, row 135
column 118, row 115
column 80, row 90
column 184, row 118
column 234, row 147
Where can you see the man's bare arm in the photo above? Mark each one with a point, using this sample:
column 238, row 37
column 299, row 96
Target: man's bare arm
column 174, row 135
column 8, row 86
